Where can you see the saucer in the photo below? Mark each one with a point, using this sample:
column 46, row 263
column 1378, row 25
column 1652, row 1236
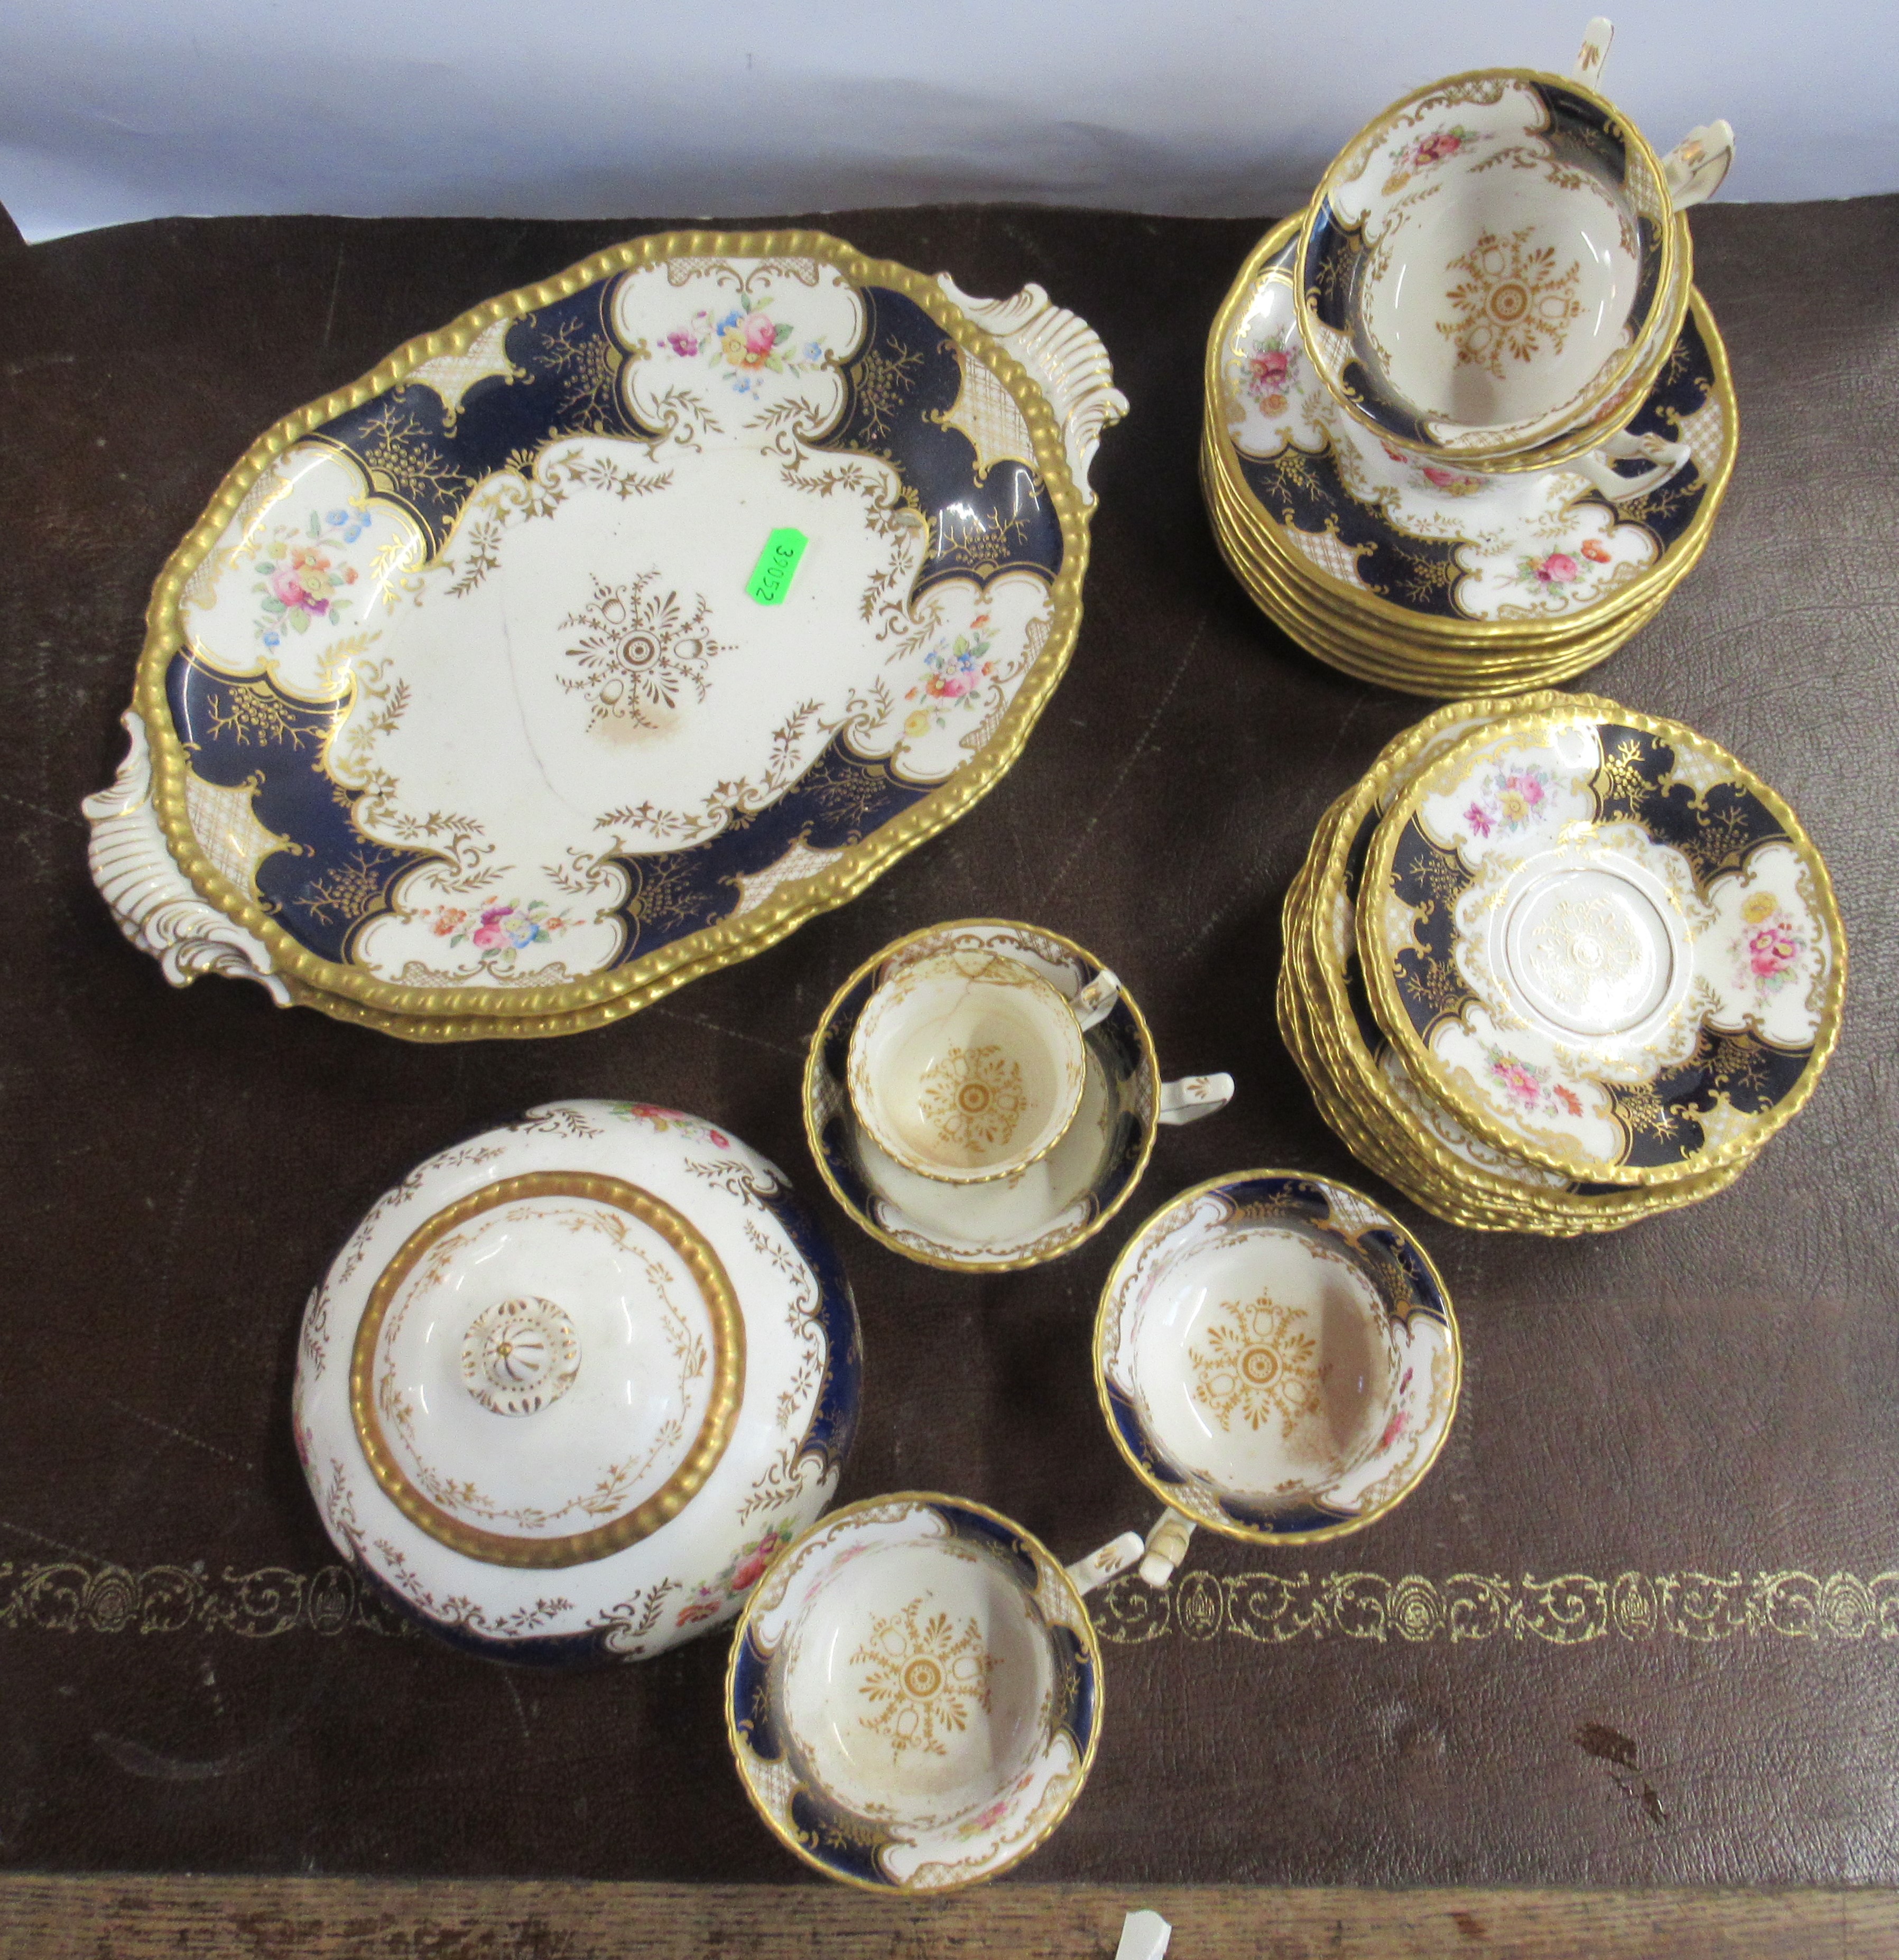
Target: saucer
column 914, row 1694
column 1364, row 1087
column 1277, row 1357
column 1606, row 947
column 1051, row 1206
column 596, row 641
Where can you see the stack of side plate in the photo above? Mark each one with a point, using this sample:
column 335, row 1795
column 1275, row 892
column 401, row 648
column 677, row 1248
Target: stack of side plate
column 1433, row 580
column 1553, row 967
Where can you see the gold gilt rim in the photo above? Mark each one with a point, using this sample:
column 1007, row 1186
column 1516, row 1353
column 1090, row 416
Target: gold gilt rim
column 1048, row 1563
column 1149, row 1059
column 707, row 1447
column 1464, row 633
column 1673, row 236
column 1252, row 1533
column 1424, row 1063
column 1283, row 586
column 453, row 1013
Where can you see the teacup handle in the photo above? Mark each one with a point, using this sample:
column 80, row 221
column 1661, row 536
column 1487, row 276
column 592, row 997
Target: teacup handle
column 1194, row 1096
column 1166, row 1546
column 1109, row 1562
column 1695, row 167
column 1666, row 458
column 1095, row 1002
column 1594, row 51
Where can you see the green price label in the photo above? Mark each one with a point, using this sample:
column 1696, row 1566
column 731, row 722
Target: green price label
column 771, row 577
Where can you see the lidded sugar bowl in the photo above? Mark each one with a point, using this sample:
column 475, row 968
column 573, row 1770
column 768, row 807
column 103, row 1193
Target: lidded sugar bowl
column 571, row 1385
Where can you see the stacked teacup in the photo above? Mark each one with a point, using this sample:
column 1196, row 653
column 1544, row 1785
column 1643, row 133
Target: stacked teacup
column 1468, row 421
column 1553, row 965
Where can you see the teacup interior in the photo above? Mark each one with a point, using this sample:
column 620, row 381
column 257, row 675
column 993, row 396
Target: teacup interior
column 1499, row 299
column 972, row 1075
column 1265, row 1363
column 917, row 1682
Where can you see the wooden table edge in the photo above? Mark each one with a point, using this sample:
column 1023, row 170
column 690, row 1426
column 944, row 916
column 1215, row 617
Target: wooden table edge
column 129, row 1916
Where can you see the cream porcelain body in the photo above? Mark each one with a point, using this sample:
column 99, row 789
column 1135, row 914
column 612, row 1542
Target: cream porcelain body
column 1488, row 265
column 966, row 1065
column 914, row 1696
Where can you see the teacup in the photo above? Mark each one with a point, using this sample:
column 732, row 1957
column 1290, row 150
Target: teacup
column 914, row 1694
column 1277, row 1359
column 1045, row 1210
column 1488, row 268
column 967, row 1066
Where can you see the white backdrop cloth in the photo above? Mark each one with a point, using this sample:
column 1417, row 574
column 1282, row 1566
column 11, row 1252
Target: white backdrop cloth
column 117, row 110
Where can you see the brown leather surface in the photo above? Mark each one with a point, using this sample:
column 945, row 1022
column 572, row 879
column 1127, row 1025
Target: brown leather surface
column 1694, row 1425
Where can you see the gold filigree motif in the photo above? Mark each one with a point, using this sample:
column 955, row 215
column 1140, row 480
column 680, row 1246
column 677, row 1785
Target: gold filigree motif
column 923, row 1678
column 1512, row 300
column 1256, row 1366
column 584, row 367
column 251, row 711
column 885, row 378
column 348, row 892
column 974, row 1099
column 401, row 460
column 640, row 651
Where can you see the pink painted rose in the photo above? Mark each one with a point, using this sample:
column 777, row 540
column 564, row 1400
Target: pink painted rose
column 492, row 932
column 1559, row 568
column 683, row 342
column 753, row 1569
column 760, row 335
column 1516, row 1079
column 1271, row 368
column 1772, row 950
column 1447, row 143
column 287, row 588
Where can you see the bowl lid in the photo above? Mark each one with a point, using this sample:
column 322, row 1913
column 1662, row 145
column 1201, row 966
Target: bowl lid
column 575, row 1379
column 548, row 1369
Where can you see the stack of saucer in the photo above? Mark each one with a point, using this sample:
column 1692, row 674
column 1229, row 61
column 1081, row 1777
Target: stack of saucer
column 1555, row 967
column 1418, row 575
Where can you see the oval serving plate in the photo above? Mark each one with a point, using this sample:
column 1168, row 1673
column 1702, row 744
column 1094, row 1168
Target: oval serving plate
column 600, row 639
